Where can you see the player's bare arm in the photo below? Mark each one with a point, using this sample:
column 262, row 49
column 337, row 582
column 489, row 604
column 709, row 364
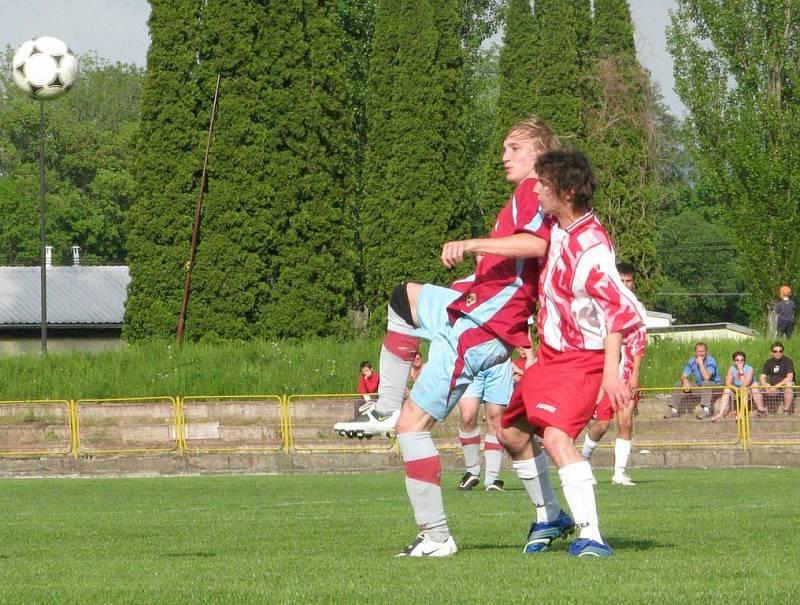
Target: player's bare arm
column 613, row 385
column 633, row 382
column 519, row 245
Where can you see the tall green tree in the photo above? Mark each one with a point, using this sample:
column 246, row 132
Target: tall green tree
column 169, row 156
column 737, row 73
column 622, row 140
column 88, row 157
column 517, row 65
column 414, row 160
column 556, row 80
column 238, row 238
column 613, row 28
column 311, row 142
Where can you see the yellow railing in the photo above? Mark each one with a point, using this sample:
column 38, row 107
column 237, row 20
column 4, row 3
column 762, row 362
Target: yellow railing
column 304, row 423
column 667, row 417
column 233, row 423
column 135, row 425
column 310, row 420
column 781, row 425
column 36, row 428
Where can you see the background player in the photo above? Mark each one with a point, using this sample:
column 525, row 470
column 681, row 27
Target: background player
column 632, row 353
column 584, row 313
column 493, row 387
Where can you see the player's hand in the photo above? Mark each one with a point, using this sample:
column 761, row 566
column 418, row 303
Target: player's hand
column 454, row 252
column 700, row 361
column 615, row 388
column 633, row 387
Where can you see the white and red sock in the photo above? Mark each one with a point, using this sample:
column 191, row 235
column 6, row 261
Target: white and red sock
column 493, row 455
column 424, row 483
column 397, row 352
column 471, row 446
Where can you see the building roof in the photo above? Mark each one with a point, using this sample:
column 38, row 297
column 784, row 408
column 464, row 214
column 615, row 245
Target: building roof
column 722, row 330
column 75, row 295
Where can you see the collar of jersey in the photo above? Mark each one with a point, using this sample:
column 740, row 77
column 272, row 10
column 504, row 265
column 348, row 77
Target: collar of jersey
column 580, row 223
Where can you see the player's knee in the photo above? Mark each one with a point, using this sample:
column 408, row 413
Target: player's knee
column 400, row 304
column 555, row 443
column 494, row 414
column 469, row 422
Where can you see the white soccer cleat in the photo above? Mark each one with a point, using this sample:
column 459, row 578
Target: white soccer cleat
column 423, row 546
column 370, row 424
column 622, row 479
column 366, row 407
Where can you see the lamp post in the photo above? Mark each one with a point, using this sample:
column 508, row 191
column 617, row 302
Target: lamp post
column 42, row 252
column 44, row 68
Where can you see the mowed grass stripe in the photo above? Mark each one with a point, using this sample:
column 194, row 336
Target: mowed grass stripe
column 680, row 536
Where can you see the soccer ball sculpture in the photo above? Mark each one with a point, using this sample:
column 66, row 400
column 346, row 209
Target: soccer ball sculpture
column 44, row 68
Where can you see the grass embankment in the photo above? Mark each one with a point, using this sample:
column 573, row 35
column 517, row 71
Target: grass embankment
column 258, row 367
column 680, row 536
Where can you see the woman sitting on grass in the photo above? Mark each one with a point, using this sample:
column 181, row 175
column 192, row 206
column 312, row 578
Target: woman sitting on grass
column 740, row 374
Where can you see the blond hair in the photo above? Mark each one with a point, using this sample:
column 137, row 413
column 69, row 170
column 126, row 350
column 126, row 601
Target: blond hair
column 535, row 130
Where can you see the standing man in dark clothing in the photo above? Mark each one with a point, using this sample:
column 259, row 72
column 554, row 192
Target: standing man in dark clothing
column 785, row 312
column 778, row 374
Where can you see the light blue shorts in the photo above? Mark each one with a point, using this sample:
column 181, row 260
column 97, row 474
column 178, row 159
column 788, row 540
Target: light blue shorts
column 493, row 385
column 458, row 353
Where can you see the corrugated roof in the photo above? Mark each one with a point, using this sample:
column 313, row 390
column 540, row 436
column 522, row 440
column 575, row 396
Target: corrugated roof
column 75, row 295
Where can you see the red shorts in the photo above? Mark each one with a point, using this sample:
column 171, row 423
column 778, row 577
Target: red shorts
column 604, row 411
column 559, row 390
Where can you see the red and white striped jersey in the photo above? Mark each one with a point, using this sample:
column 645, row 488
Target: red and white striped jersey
column 503, row 292
column 581, row 296
column 633, row 344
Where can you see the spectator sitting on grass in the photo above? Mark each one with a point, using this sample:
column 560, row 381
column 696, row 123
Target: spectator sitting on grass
column 739, row 375
column 703, row 369
column 778, row 374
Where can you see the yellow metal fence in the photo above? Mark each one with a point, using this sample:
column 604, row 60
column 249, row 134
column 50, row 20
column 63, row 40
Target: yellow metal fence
column 666, row 417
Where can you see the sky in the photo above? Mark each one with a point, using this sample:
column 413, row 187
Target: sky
column 117, row 30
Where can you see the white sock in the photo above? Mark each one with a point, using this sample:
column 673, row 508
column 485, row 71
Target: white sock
column 589, row 447
column 576, row 481
column 533, row 474
column 471, row 446
column 622, row 451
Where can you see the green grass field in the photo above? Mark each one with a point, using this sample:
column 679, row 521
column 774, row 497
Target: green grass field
column 269, row 367
column 681, row 536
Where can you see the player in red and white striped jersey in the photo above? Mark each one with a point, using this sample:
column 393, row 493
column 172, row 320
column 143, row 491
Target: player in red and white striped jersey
column 632, row 352
column 585, row 312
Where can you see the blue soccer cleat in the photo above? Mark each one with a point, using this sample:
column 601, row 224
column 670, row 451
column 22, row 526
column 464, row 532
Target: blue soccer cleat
column 584, row 547
column 542, row 535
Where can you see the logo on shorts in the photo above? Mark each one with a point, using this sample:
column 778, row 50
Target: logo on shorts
column 471, row 299
column 546, row 407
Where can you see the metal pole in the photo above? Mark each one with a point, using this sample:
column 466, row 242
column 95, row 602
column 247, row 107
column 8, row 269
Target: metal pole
column 42, row 228
column 198, row 214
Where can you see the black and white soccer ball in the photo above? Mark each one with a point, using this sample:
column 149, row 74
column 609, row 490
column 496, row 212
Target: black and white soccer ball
column 44, row 68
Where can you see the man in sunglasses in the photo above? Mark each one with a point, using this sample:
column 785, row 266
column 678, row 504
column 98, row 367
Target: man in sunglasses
column 778, row 375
